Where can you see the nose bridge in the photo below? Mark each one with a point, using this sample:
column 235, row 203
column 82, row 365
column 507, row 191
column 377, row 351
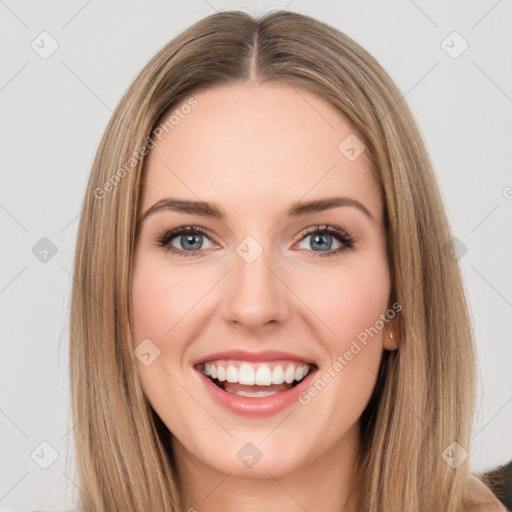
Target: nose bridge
column 255, row 296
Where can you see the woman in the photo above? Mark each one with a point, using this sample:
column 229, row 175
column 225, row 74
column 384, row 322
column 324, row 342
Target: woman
column 312, row 348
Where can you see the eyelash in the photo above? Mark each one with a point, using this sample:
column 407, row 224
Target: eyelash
column 346, row 240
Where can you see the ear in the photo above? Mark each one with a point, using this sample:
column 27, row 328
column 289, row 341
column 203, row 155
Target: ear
column 390, row 334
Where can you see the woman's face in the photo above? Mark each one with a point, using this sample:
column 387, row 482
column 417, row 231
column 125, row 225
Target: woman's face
column 258, row 291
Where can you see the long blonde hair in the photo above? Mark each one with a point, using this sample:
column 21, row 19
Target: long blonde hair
column 424, row 397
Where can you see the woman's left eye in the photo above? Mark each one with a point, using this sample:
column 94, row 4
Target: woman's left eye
column 191, row 239
column 321, row 237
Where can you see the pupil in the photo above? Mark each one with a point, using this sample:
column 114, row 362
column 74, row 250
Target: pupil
column 192, row 239
column 317, row 239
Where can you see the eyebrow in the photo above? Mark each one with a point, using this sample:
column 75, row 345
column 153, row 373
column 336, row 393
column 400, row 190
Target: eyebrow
column 297, row 209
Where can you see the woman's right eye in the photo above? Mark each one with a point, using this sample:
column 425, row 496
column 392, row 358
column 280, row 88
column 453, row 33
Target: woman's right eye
column 190, row 238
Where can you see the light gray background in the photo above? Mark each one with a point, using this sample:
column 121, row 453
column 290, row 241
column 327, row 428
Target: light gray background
column 52, row 115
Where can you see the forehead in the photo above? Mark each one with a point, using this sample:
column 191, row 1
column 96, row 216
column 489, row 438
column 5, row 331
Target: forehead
column 247, row 144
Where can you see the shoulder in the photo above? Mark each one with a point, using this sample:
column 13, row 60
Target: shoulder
column 478, row 491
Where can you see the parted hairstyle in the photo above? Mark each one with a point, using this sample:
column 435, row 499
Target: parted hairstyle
column 424, row 395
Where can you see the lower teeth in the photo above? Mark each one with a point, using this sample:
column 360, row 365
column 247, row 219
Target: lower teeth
column 252, row 395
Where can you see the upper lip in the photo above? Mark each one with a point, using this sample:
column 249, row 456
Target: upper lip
column 263, row 356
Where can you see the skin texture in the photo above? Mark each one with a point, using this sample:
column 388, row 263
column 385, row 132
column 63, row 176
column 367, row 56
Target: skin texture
column 254, row 150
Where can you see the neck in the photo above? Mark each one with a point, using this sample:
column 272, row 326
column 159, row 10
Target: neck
column 323, row 484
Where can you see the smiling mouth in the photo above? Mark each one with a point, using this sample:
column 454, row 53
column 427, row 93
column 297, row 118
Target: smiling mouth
column 255, row 380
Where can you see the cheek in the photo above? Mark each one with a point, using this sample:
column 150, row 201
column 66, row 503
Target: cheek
column 363, row 297
column 160, row 302
column 352, row 305
column 346, row 300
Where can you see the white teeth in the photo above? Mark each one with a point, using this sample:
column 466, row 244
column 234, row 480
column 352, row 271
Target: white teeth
column 221, row 373
column 232, row 374
column 278, row 375
column 258, row 374
column 246, row 375
column 263, row 376
column 253, row 395
column 289, row 374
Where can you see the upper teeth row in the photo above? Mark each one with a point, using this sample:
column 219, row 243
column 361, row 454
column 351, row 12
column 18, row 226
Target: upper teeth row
column 261, row 376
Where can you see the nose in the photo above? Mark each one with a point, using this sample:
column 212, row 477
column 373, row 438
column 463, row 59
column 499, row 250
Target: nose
column 256, row 295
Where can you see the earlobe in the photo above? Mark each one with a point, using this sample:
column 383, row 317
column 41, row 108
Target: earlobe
column 390, row 339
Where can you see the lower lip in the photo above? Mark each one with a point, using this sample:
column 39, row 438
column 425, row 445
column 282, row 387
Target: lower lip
column 256, row 406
